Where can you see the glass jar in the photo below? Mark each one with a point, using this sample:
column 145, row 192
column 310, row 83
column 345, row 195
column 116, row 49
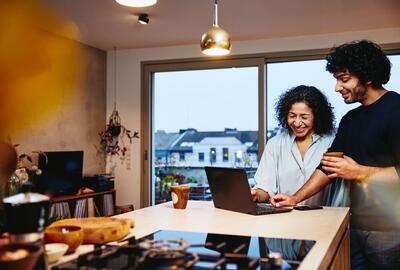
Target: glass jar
column 14, row 185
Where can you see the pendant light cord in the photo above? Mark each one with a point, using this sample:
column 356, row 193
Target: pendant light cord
column 216, row 13
column 115, row 78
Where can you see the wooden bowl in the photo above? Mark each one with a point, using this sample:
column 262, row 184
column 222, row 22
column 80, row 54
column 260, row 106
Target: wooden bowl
column 70, row 235
column 19, row 256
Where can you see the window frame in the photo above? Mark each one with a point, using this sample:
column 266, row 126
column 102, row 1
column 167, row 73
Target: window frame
column 201, row 157
column 225, row 154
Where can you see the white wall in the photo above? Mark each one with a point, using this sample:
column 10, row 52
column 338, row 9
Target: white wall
column 128, row 84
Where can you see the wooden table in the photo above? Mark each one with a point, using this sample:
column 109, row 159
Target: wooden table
column 328, row 227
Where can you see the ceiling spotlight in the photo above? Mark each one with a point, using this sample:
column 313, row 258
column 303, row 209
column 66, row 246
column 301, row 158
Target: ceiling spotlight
column 215, row 41
column 136, row 3
column 144, row 18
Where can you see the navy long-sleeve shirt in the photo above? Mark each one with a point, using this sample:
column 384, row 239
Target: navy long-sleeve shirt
column 371, row 136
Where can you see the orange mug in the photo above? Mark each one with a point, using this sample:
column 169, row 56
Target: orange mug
column 180, row 196
column 334, row 154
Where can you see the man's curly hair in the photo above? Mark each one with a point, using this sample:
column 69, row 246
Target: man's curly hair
column 364, row 59
column 324, row 119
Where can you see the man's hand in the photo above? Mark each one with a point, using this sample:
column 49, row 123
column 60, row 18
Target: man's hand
column 345, row 168
column 259, row 195
column 280, row 200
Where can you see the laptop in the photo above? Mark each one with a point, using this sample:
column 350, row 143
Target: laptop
column 230, row 190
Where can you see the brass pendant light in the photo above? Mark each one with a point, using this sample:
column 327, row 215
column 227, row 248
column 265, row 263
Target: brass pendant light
column 136, row 3
column 215, row 41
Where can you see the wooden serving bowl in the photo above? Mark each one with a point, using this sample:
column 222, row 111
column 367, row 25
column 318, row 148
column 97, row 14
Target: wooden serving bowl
column 70, row 235
column 99, row 230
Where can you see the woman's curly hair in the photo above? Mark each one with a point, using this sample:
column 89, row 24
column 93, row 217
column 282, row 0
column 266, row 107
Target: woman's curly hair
column 364, row 59
column 324, row 119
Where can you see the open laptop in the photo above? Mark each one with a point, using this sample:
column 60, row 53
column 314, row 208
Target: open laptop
column 230, row 190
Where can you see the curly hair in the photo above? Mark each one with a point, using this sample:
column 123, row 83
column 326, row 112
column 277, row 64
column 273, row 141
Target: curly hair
column 324, row 119
column 364, row 59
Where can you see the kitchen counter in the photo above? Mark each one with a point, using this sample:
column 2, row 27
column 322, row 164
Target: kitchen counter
column 328, row 227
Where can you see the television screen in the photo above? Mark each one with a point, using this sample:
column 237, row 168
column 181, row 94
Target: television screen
column 63, row 173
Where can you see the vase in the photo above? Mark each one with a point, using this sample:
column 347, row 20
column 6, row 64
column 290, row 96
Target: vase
column 14, row 185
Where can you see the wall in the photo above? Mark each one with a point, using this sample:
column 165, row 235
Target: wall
column 128, row 84
column 74, row 124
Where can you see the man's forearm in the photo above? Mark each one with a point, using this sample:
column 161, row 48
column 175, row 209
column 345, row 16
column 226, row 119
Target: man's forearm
column 378, row 175
column 316, row 183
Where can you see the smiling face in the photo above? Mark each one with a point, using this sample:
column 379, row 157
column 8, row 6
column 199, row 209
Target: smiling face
column 350, row 87
column 300, row 119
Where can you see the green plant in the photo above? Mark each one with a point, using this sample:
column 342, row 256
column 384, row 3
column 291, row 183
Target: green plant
column 191, row 179
column 162, row 186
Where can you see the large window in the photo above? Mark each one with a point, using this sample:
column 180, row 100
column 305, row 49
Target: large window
column 285, row 75
column 190, row 128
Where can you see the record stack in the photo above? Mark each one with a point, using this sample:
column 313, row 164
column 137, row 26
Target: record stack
column 108, row 205
column 81, row 209
column 60, row 210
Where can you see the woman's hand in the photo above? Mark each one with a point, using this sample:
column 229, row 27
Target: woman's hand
column 259, row 195
column 253, row 193
column 280, row 200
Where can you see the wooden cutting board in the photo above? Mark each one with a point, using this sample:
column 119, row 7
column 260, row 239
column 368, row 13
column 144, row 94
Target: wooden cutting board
column 99, row 230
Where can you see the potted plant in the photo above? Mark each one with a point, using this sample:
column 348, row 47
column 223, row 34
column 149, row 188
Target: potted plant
column 111, row 138
column 162, row 187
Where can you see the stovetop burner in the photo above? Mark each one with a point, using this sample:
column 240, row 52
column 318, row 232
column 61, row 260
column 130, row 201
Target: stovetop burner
column 188, row 250
column 165, row 254
column 164, row 245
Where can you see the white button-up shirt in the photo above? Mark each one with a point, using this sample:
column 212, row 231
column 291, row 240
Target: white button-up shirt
column 282, row 170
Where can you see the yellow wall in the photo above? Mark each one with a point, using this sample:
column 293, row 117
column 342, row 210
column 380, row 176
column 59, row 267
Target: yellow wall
column 73, row 124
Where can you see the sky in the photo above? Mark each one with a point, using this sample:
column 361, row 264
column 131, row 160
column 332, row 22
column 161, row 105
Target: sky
column 206, row 100
column 214, row 99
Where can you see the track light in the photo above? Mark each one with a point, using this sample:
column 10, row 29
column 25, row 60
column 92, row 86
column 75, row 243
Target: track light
column 136, row 3
column 144, row 18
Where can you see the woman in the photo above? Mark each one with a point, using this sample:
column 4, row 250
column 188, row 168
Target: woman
column 291, row 157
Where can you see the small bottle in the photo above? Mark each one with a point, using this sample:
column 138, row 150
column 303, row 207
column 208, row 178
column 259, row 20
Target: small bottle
column 274, row 261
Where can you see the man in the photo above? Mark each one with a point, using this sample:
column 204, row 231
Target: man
column 369, row 137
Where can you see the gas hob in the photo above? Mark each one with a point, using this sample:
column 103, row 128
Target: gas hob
column 191, row 250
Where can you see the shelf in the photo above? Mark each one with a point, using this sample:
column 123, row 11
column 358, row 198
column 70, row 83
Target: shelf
column 66, row 198
column 84, row 205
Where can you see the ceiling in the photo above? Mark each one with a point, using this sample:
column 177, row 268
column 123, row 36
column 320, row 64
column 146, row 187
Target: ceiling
column 104, row 23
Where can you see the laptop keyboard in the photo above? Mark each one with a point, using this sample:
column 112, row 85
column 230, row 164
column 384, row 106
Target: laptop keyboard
column 267, row 209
